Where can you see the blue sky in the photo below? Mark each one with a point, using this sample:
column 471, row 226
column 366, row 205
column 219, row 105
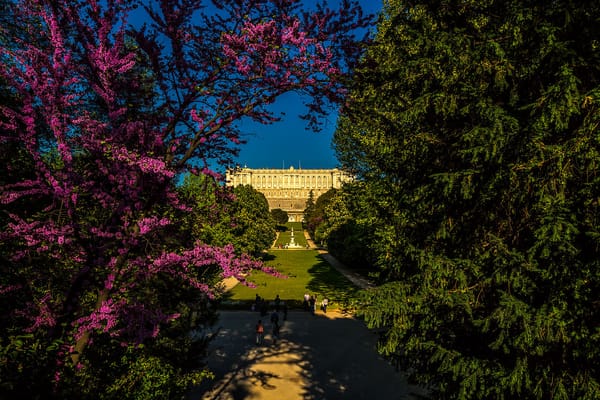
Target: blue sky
column 288, row 143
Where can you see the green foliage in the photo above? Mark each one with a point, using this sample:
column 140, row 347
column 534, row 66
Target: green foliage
column 309, row 208
column 474, row 126
column 241, row 218
column 280, row 216
column 151, row 377
column 254, row 227
column 25, row 355
column 340, row 220
column 164, row 368
column 334, row 214
column 348, row 227
column 314, row 212
column 142, row 372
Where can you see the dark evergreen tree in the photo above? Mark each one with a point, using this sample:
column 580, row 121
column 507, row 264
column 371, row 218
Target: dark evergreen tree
column 309, row 211
column 475, row 125
column 280, row 216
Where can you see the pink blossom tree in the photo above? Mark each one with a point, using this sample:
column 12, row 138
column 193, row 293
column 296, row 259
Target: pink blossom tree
column 106, row 115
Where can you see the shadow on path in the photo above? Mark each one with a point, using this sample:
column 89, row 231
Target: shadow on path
column 318, row 357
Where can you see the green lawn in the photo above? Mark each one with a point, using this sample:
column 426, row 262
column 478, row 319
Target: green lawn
column 284, row 237
column 306, row 271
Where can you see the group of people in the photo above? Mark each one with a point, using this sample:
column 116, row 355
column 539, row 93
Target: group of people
column 260, row 329
column 262, row 305
column 310, row 303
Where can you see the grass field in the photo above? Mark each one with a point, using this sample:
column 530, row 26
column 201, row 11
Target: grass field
column 306, row 271
column 284, row 237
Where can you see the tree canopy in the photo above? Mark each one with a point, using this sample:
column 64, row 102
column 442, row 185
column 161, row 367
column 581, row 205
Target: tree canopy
column 475, row 126
column 101, row 120
column 224, row 216
column 347, row 227
column 314, row 213
column 280, row 216
column 253, row 226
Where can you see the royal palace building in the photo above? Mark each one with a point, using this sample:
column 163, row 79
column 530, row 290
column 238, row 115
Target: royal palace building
column 288, row 189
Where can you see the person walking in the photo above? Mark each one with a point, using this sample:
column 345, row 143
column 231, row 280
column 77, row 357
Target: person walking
column 324, row 304
column 313, row 304
column 275, row 332
column 260, row 331
column 277, row 303
column 264, row 308
column 275, row 317
column 257, row 303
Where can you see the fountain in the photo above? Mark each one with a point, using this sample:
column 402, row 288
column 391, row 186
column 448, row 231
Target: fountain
column 292, row 243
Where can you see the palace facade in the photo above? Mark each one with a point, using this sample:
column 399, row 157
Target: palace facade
column 288, row 189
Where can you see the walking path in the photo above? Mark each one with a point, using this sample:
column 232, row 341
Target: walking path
column 326, row 356
column 322, row 356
